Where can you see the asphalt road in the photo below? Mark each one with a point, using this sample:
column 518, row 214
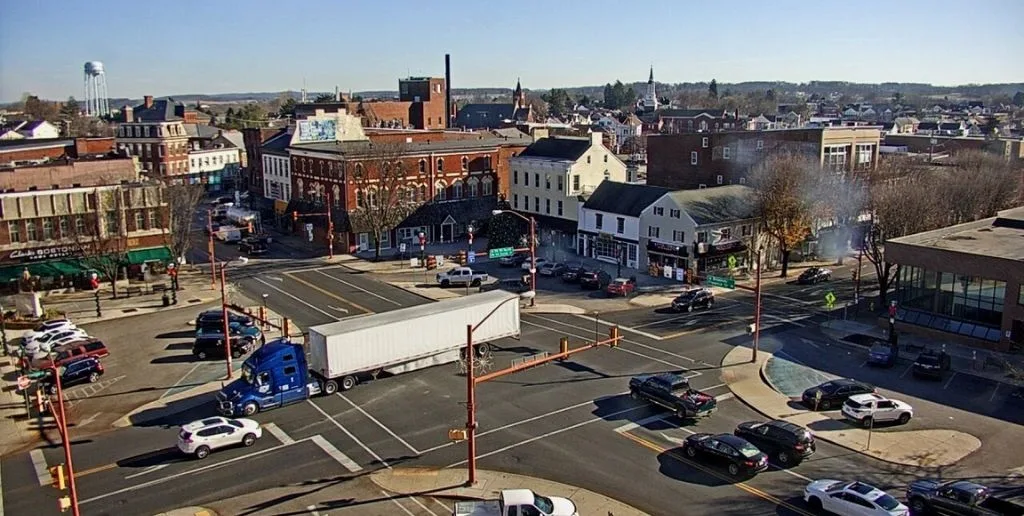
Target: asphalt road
column 570, row 421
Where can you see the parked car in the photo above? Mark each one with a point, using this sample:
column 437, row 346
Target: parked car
column 739, row 457
column 74, row 372
column 883, row 354
column 572, row 272
column 50, row 325
column 234, row 329
column 199, row 438
column 595, row 280
column 252, row 247
column 516, row 259
column 551, row 269
column 621, row 287
column 208, row 347
column 869, row 409
column 82, row 348
column 514, row 285
column 931, row 364
column 526, row 264
column 851, row 499
column 789, row 442
column 834, row 393
column 814, row 275
column 211, row 317
column 696, row 298
column 46, row 341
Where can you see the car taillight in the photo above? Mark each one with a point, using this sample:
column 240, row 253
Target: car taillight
column 748, row 463
column 99, row 367
column 798, row 447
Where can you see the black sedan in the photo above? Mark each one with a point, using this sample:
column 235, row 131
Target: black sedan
column 833, row 393
column 931, row 364
column 814, row 275
column 691, row 299
column 739, row 457
column 572, row 272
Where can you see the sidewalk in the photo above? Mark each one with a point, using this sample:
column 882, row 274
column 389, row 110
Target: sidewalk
column 915, row 448
column 448, row 483
column 964, row 359
column 18, row 431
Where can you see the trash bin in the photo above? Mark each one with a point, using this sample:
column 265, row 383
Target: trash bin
column 166, row 299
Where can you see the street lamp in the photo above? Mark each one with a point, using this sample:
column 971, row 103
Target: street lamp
column 263, row 321
column 533, row 249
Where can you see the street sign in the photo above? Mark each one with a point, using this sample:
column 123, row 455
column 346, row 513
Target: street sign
column 500, row 252
column 731, row 261
column 471, row 257
column 23, row 382
column 830, row 299
column 718, row 281
column 401, row 247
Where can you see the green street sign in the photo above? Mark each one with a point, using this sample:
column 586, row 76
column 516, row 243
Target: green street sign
column 731, row 261
column 718, row 281
column 830, row 299
column 500, row 252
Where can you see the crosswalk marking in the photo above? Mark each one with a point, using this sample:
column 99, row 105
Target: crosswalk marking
column 42, row 469
column 278, row 433
column 329, row 449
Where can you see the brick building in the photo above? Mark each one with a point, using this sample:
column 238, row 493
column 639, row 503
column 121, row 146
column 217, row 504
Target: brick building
column 50, row 234
column 253, row 140
column 155, row 133
column 1012, row 149
column 39, row 150
column 68, row 174
column 675, row 121
column 420, row 105
column 702, row 160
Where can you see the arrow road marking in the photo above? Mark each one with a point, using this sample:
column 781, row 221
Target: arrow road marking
column 147, row 471
column 89, row 419
column 336, row 308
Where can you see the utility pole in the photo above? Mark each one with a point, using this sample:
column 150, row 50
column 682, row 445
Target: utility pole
column 224, row 313
column 757, row 308
column 470, row 406
column 213, row 261
column 62, row 427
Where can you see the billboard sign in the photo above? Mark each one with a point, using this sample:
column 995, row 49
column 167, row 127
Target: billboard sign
column 317, row 130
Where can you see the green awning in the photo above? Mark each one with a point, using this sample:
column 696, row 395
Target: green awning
column 14, row 272
column 68, row 267
column 155, row 254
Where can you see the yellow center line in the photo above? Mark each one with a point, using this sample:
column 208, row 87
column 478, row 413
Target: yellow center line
column 739, row 485
column 327, row 293
column 79, row 474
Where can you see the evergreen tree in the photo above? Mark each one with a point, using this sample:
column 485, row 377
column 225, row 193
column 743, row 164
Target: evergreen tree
column 713, row 89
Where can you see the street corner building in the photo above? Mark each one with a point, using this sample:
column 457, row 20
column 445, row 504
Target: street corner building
column 965, row 282
column 57, row 238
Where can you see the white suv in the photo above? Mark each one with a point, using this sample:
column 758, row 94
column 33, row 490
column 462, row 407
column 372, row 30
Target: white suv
column 868, row 409
column 200, row 437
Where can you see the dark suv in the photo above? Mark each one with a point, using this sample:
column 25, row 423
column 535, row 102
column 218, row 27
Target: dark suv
column 79, row 370
column 595, row 280
column 789, row 443
column 931, row 364
column 206, row 347
column 216, row 317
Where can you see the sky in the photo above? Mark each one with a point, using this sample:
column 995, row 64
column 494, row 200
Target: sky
column 222, row 46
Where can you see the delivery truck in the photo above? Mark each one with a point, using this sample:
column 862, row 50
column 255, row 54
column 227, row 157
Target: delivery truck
column 342, row 354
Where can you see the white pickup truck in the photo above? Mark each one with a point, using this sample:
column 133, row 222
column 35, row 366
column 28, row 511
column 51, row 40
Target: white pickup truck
column 517, row 502
column 461, row 276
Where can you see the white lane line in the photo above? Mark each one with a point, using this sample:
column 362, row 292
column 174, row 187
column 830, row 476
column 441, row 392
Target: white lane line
column 994, row 391
column 335, row 454
column 713, row 387
column 640, row 422
column 350, row 436
column 633, row 342
column 357, row 287
column 147, row 471
column 609, row 323
column 386, row 429
column 328, row 314
column 549, row 434
column 400, row 506
column 722, row 397
column 438, row 502
column 907, row 370
column 182, row 379
column 42, row 469
column 691, row 316
column 524, row 421
column 312, row 510
column 278, row 433
column 175, row 476
column 417, row 502
column 949, row 381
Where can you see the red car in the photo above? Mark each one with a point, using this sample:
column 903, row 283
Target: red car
column 621, row 287
column 64, row 354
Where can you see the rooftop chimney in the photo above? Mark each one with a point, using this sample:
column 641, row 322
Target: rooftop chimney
column 447, row 91
column 148, row 101
column 129, row 114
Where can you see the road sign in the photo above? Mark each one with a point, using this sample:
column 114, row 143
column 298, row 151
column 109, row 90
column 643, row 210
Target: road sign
column 830, row 299
column 23, row 382
column 401, row 247
column 718, row 281
column 471, row 257
column 731, row 261
column 500, row 252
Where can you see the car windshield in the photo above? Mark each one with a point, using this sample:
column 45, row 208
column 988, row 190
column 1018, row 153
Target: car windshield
column 545, row 505
column 235, row 423
column 748, row 450
column 887, row 502
column 928, row 359
column 880, row 348
column 247, row 374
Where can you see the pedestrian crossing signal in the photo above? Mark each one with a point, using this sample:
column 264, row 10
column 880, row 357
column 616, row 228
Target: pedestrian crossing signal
column 64, row 503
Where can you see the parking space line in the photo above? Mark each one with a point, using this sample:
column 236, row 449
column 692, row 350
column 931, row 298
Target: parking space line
column 994, row 391
column 374, row 294
column 335, row 453
column 417, row 502
column 182, row 379
column 722, row 397
column 713, row 387
column 400, row 506
column 386, row 429
column 41, row 467
column 907, row 370
column 350, row 436
column 278, row 433
column 944, row 387
column 633, row 342
column 438, row 502
column 332, row 316
column 327, row 293
column 549, row 434
column 610, row 323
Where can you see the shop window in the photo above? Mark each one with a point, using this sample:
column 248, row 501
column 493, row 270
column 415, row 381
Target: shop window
column 140, row 221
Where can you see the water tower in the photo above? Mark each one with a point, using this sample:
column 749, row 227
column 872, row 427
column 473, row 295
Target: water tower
column 96, row 102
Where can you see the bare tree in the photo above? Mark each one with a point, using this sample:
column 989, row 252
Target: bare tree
column 104, row 243
column 182, row 201
column 979, row 185
column 382, row 199
column 783, row 184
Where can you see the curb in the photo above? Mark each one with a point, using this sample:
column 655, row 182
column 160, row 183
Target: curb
column 193, row 510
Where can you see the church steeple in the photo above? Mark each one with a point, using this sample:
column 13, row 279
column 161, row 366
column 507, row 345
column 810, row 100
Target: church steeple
column 651, row 80
column 518, row 97
column 650, row 100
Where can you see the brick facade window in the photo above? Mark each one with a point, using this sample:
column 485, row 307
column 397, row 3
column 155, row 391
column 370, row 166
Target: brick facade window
column 14, row 231
column 440, row 164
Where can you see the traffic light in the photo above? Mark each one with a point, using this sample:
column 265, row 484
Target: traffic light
column 563, row 345
column 250, row 227
column 57, row 475
column 613, row 335
column 40, row 402
column 295, row 216
column 64, row 503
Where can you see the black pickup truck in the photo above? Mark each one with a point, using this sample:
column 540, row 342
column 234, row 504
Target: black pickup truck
column 958, row 498
column 673, row 392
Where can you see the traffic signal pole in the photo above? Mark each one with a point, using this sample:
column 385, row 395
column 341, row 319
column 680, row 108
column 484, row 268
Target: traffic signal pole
column 213, row 261
column 62, row 427
column 224, row 314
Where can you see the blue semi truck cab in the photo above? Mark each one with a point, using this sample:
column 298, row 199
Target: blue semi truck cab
column 273, row 376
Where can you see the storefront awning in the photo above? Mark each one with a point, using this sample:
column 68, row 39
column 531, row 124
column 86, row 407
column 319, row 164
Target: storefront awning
column 155, row 254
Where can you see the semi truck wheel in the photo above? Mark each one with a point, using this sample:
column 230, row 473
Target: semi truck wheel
column 348, row 382
column 250, row 408
column 483, row 350
column 330, row 387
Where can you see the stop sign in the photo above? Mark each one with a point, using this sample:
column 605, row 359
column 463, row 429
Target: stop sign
column 23, row 382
